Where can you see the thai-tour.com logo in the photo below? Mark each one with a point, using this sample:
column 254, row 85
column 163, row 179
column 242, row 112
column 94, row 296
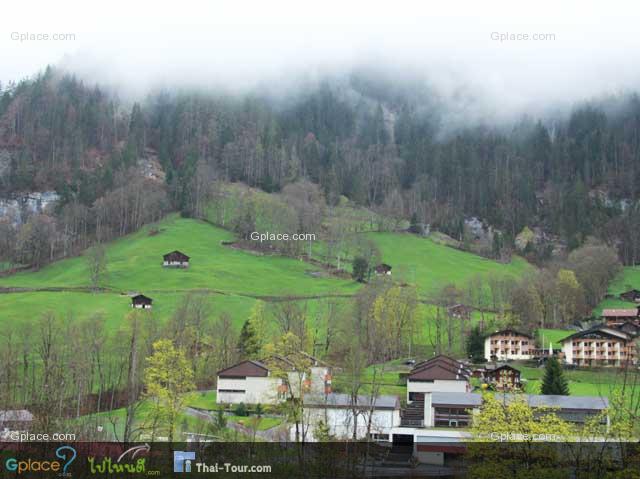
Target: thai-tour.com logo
column 182, row 460
column 65, row 454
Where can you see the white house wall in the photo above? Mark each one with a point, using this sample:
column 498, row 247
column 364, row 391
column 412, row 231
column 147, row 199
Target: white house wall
column 438, row 385
column 341, row 422
column 567, row 349
column 257, row 390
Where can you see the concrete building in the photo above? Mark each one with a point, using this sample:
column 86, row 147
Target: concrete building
column 438, row 374
column 261, row 382
column 368, row 417
column 440, row 429
column 508, row 344
column 601, row 346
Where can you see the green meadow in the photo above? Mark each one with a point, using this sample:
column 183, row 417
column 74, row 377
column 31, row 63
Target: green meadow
column 545, row 336
column 628, row 278
column 232, row 278
column 430, row 265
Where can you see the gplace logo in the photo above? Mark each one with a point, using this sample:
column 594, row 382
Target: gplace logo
column 66, row 453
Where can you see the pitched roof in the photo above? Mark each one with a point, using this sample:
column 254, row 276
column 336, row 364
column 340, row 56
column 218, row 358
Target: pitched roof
column 340, row 400
column 604, row 330
column 438, row 370
column 254, row 369
column 616, row 313
column 261, row 368
column 445, row 362
column 141, row 298
column 177, row 254
column 510, row 330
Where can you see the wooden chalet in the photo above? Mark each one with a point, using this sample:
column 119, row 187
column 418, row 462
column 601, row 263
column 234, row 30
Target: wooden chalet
column 460, row 311
column 175, row 259
column 140, row 301
column 382, row 269
column 618, row 316
column 502, row 377
column 633, row 295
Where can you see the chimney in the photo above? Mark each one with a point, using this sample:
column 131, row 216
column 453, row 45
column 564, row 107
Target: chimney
column 428, row 411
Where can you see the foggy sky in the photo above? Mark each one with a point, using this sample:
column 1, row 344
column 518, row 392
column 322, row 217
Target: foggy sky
column 239, row 44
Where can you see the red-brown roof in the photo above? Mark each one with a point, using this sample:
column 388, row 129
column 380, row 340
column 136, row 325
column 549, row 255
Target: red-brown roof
column 245, row 369
column 502, row 332
column 445, row 361
column 618, row 313
column 436, row 371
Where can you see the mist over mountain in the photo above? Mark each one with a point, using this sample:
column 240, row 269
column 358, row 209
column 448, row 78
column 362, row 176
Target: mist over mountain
column 386, row 142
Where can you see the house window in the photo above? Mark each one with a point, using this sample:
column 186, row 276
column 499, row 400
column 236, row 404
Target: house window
column 237, row 391
column 379, row 437
column 451, row 417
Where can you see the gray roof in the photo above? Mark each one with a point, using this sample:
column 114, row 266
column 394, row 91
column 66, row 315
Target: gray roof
column 590, row 403
column 21, row 415
column 345, row 400
column 456, row 399
column 586, row 403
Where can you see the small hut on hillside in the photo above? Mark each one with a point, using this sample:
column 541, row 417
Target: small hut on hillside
column 140, row 301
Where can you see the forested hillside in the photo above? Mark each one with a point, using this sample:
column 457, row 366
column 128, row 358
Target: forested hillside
column 380, row 143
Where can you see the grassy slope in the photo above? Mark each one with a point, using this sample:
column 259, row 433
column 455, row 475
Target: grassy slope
column 543, row 337
column 232, row 277
column 134, row 263
column 430, row 265
column 628, row 278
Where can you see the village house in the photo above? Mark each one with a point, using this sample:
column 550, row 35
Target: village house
column 601, row 346
column 369, row 417
column 633, row 295
column 254, row 382
column 382, row 269
column 175, row 259
column 502, row 377
column 140, row 301
column 630, row 327
column 617, row 317
column 440, row 373
column 460, row 311
column 508, row 344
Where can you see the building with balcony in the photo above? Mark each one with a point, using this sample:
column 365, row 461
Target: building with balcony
column 508, row 344
column 600, row 346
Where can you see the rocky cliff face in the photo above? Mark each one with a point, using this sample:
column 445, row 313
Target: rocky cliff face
column 5, row 162
column 17, row 210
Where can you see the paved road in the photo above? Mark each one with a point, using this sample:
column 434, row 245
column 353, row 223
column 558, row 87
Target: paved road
column 275, row 434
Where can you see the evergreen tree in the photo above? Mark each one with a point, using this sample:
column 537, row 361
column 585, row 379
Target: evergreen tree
column 554, row 381
column 414, row 226
column 360, row 269
column 249, row 344
column 475, row 345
